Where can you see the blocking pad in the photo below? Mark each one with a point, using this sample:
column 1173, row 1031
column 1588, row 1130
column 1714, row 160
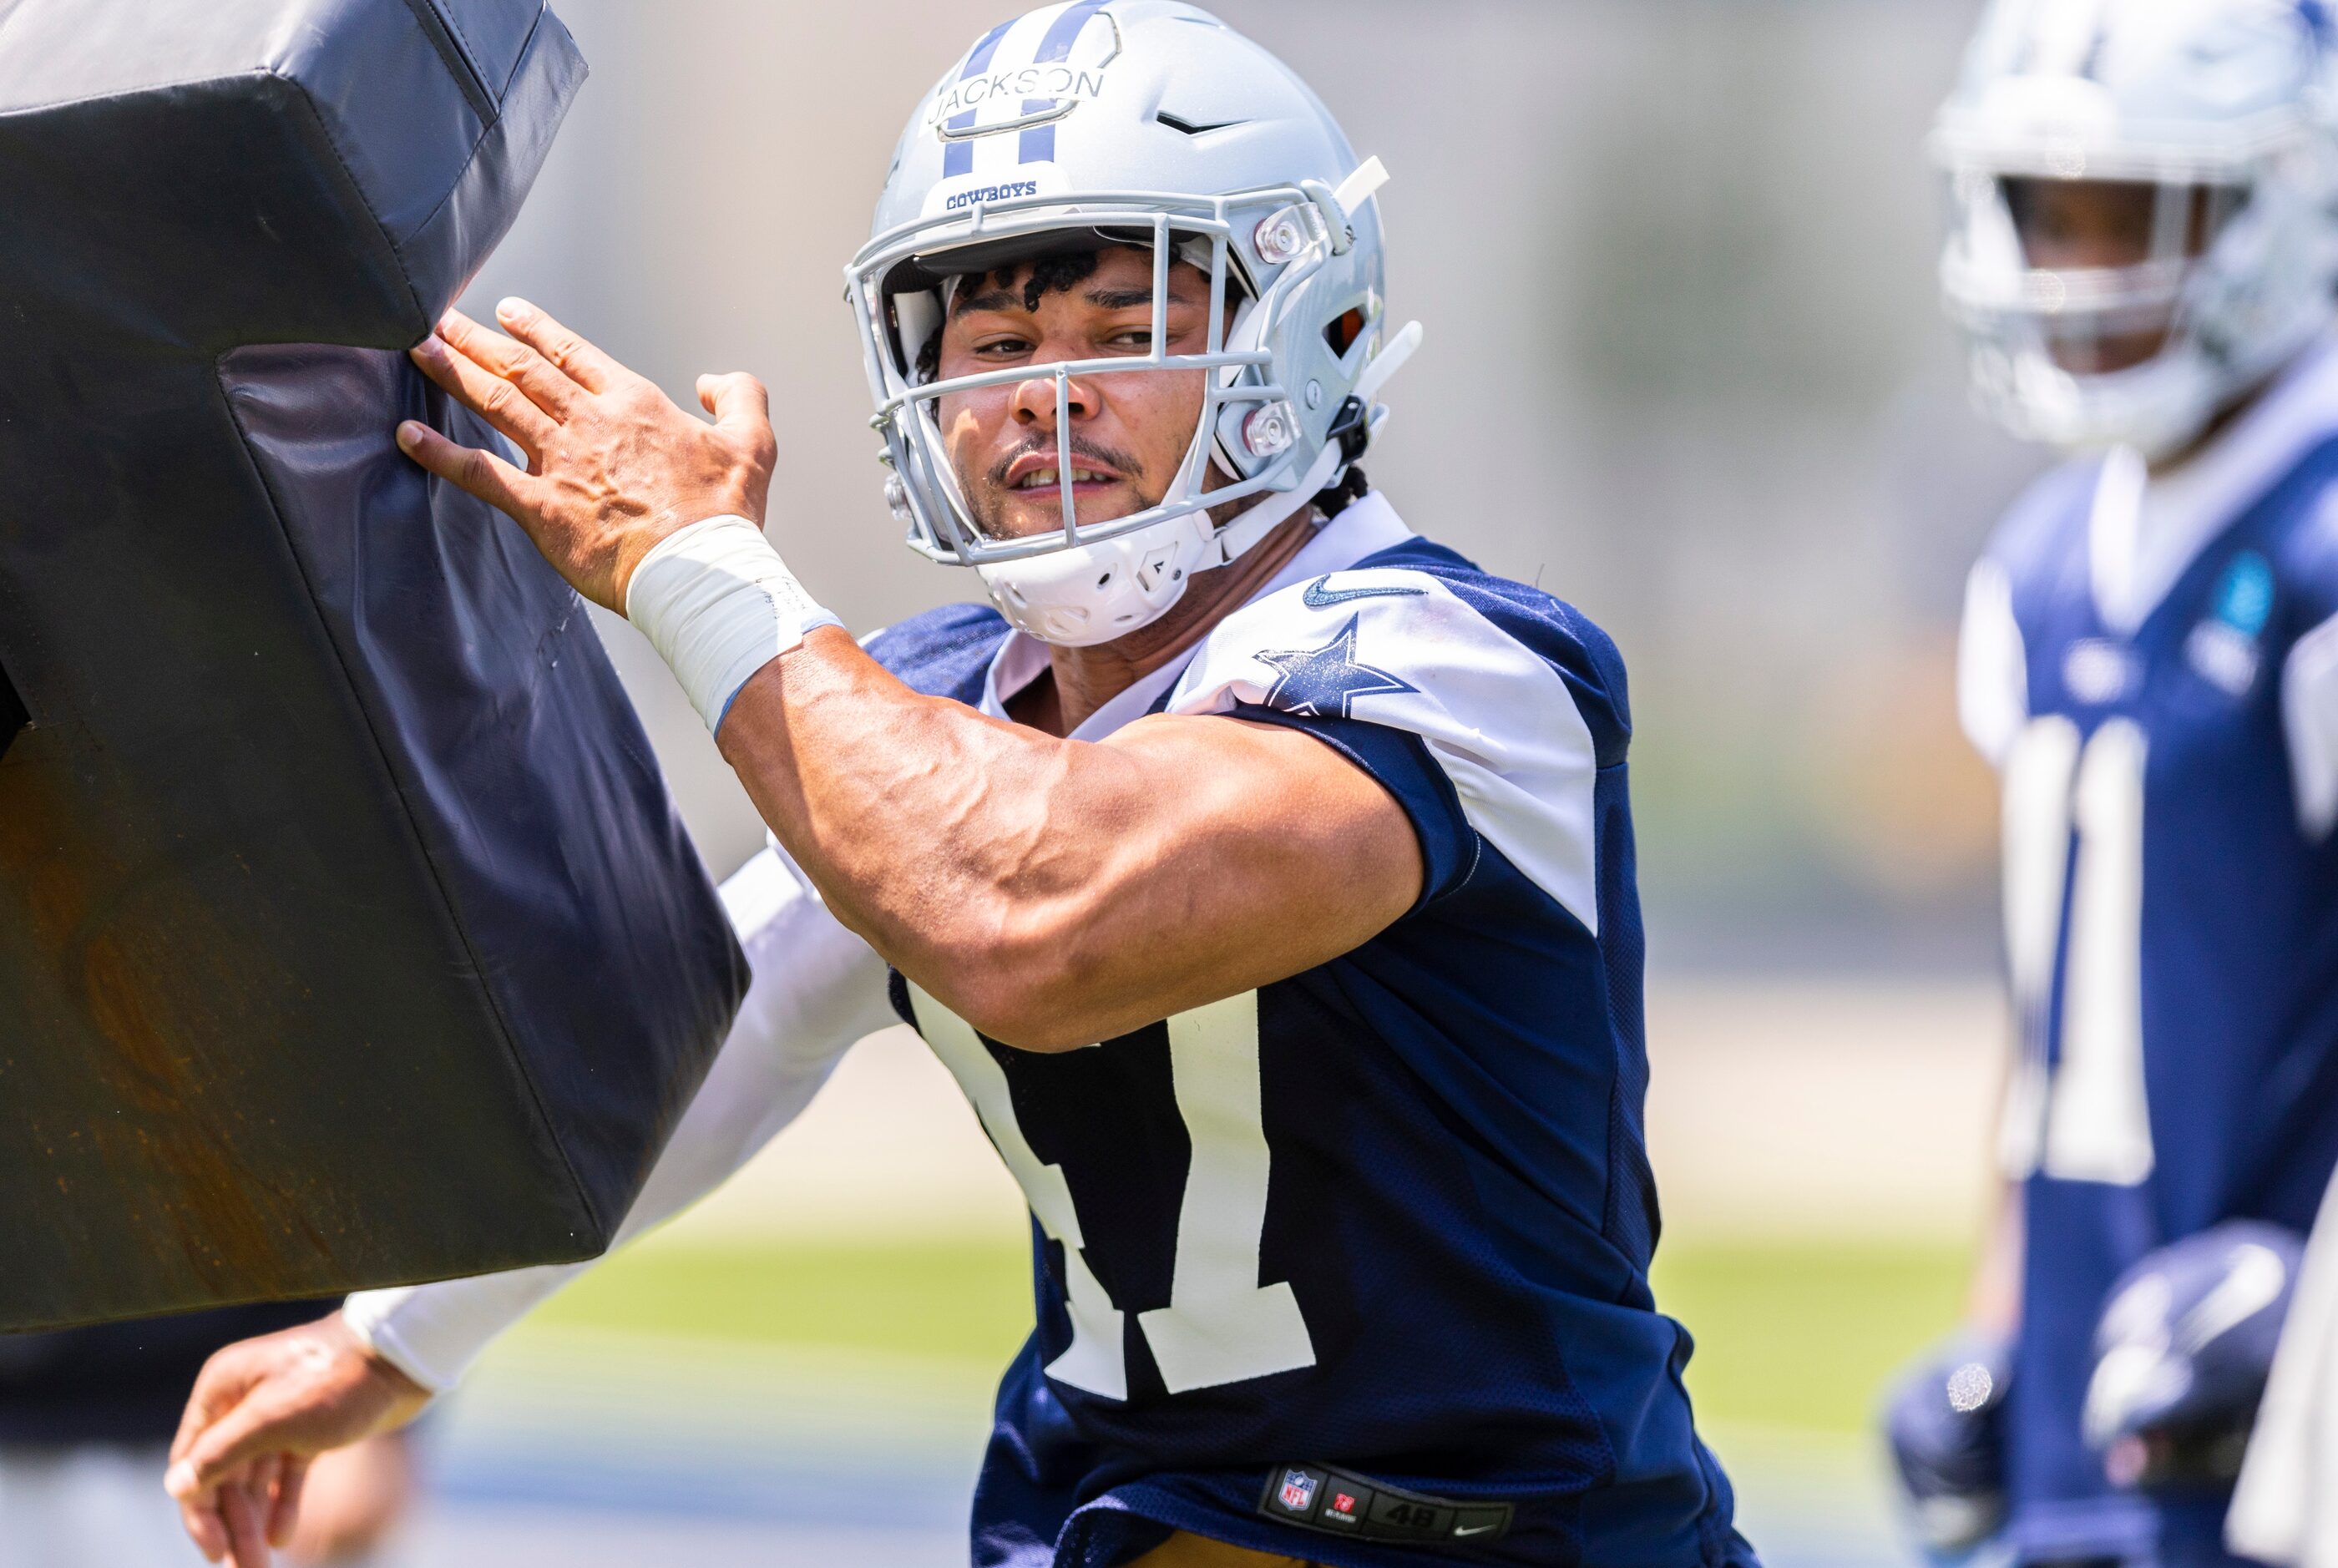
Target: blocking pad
column 348, row 936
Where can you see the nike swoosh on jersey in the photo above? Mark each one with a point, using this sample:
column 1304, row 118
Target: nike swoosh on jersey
column 1461, row 1529
column 1319, row 597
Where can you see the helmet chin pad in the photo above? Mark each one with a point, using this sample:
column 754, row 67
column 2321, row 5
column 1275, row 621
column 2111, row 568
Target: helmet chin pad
column 2158, row 407
column 1092, row 593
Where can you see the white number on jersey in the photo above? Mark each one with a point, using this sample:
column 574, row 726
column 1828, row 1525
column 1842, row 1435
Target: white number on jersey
column 1221, row 1326
column 2091, row 1122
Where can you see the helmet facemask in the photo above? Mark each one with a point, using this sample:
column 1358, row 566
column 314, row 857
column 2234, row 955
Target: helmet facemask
column 1153, row 126
column 2137, row 241
column 1239, row 391
column 2134, row 343
column 1247, row 444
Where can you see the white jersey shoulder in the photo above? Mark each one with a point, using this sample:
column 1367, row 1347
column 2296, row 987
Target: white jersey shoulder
column 1398, row 648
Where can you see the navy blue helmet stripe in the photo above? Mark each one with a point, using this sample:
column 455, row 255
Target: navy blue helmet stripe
column 1039, row 142
column 958, row 157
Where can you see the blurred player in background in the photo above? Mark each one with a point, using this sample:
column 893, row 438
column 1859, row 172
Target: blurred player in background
column 2143, row 258
column 1262, row 871
column 86, row 1415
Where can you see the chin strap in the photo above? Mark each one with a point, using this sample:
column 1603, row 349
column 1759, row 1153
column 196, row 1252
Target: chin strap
column 1387, row 362
column 1348, row 437
column 1360, row 186
column 1360, row 418
column 1235, row 539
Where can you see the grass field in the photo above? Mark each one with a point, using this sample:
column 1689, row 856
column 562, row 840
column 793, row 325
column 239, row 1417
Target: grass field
column 1790, row 1335
column 1804, row 1334
column 970, row 1302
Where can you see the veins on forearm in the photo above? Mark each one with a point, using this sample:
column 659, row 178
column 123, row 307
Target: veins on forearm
column 1054, row 893
column 938, row 834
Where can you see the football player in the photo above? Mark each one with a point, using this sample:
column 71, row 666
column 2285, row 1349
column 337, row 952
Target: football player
column 2143, row 257
column 1262, row 871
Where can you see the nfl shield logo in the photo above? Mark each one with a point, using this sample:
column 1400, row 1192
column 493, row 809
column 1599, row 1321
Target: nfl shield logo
column 1298, row 1490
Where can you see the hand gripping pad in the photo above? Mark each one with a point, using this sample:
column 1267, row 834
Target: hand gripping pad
column 346, row 935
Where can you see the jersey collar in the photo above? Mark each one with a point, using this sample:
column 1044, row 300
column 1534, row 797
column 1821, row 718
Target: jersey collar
column 1364, row 528
column 2145, row 531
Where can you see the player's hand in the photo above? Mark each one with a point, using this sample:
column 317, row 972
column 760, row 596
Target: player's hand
column 1945, row 1422
column 614, row 466
column 261, row 1410
column 354, row 1498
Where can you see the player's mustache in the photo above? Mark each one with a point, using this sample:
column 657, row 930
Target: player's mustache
column 1082, row 450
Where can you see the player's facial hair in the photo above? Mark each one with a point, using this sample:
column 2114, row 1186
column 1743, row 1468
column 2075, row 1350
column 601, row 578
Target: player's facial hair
column 988, row 501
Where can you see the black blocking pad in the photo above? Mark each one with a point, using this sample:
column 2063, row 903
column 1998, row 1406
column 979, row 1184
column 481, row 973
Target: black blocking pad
column 348, row 936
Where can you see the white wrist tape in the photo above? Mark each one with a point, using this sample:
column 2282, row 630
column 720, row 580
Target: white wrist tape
column 718, row 604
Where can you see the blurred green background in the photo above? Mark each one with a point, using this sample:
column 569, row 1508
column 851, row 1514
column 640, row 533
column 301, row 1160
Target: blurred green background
column 1789, row 1334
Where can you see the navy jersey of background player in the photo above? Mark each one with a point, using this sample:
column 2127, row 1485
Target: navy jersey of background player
column 1362, row 1253
column 119, row 1385
column 2154, row 668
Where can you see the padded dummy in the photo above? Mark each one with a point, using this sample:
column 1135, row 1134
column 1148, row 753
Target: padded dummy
column 348, row 936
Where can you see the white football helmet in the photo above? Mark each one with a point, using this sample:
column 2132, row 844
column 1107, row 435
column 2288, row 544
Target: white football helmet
column 2232, row 98
column 1149, row 123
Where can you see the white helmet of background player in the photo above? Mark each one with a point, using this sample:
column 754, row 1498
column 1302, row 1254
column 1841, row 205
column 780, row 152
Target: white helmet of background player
column 1148, row 123
column 2223, row 102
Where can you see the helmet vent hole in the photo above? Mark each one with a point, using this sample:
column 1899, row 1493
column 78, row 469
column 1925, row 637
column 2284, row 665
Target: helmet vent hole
column 1192, row 127
column 1343, row 331
column 1104, row 581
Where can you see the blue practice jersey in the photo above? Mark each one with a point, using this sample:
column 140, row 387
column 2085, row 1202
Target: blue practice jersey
column 1353, row 1267
column 2160, row 689
column 120, row 1385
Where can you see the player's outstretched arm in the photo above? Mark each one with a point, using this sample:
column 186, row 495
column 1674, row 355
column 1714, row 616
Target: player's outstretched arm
column 1052, row 893
column 261, row 1410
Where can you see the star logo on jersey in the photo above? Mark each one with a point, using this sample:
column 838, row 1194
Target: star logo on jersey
column 1324, row 682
